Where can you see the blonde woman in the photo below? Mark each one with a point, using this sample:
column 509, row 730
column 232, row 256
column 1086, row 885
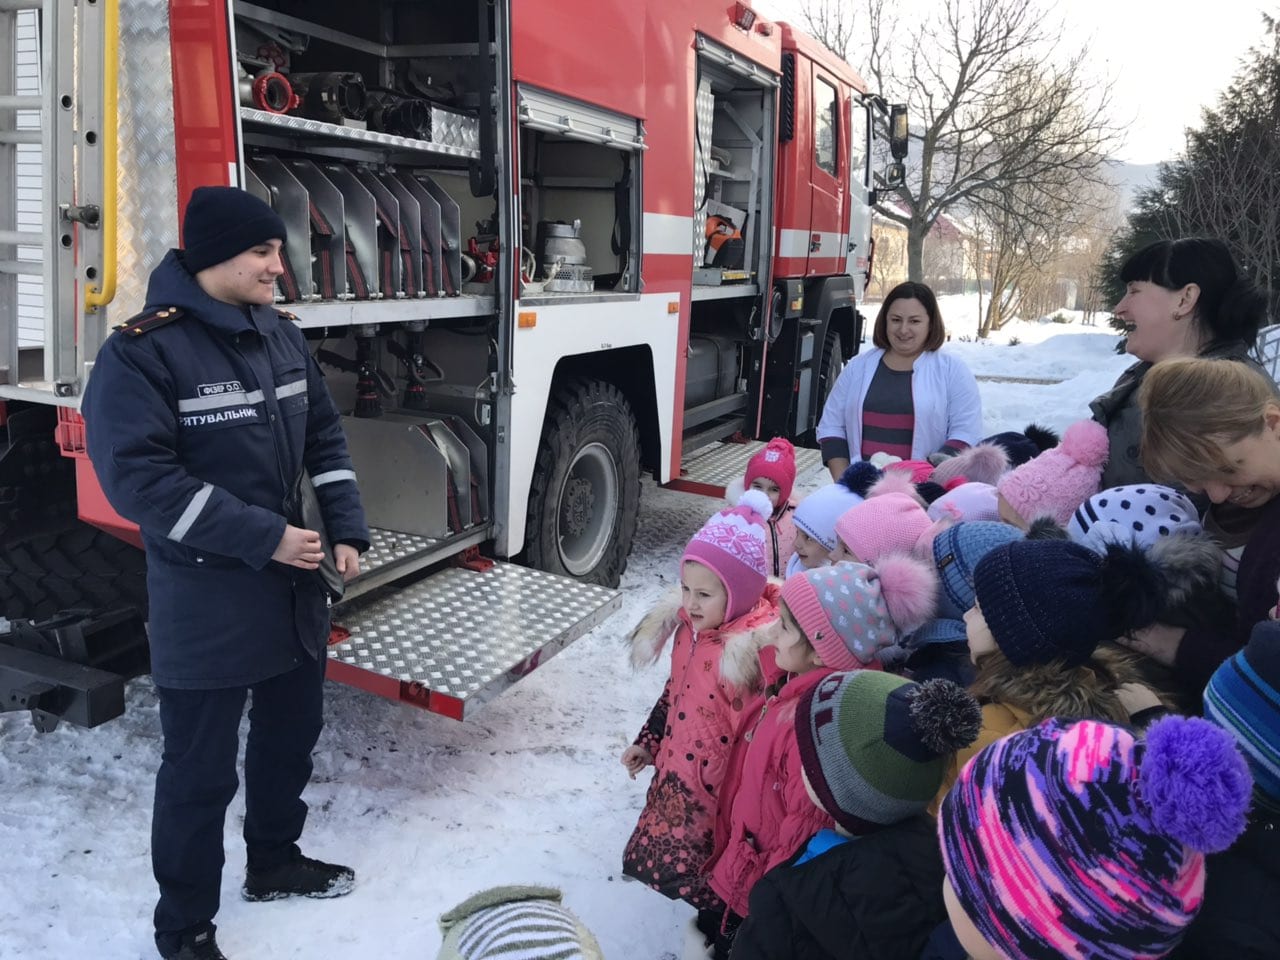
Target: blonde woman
column 1214, row 428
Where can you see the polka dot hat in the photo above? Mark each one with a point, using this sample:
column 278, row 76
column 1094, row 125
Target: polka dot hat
column 1139, row 514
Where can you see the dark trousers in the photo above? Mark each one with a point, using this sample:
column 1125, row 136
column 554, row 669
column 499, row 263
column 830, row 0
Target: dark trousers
column 197, row 780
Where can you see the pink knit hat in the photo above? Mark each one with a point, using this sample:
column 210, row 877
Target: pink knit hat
column 918, row 470
column 1059, row 480
column 969, row 501
column 887, row 523
column 731, row 545
column 851, row 611
column 776, row 462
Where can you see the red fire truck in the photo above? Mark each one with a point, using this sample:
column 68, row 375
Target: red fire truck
column 538, row 246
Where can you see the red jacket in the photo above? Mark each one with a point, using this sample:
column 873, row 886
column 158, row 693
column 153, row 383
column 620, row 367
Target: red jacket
column 766, row 813
column 690, row 733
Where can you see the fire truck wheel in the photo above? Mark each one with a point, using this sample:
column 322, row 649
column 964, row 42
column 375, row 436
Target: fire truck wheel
column 586, row 485
column 79, row 566
column 828, row 373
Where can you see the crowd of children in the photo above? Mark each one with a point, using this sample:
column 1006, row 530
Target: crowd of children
column 905, row 718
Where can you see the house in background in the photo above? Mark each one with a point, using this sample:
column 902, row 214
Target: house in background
column 948, row 255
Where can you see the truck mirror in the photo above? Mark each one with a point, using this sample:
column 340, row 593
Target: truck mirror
column 895, row 175
column 898, row 132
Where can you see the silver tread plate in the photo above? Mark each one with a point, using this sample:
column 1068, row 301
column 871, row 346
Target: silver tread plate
column 463, row 636
column 390, row 546
column 719, row 464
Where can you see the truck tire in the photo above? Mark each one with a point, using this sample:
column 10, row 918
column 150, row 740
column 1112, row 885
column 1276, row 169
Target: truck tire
column 828, row 372
column 79, row 566
column 586, row 485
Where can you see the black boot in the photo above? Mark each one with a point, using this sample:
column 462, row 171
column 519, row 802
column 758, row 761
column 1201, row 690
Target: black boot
column 198, row 946
column 299, row 877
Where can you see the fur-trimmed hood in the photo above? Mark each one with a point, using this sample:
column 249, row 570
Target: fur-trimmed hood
column 1191, row 565
column 1087, row 692
column 741, row 662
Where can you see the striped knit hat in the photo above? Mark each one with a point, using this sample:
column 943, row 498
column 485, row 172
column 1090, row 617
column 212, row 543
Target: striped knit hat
column 731, row 545
column 1078, row 840
column 1243, row 696
column 515, row 923
column 956, row 552
column 875, row 747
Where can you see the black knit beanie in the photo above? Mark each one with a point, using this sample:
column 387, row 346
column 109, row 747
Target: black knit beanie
column 223, row 222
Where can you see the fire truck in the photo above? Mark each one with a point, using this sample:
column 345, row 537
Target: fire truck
column 538, row 247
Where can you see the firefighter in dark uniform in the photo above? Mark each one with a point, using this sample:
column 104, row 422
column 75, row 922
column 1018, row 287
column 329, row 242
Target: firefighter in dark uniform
column 202, row 413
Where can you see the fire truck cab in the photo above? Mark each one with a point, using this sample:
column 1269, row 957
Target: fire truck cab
column 538, row 247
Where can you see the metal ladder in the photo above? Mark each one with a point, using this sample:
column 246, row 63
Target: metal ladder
column 45, row 124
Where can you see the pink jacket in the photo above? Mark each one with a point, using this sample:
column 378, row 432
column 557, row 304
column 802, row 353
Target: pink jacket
column 781, row 541
column 765, row 814
column 689, row 733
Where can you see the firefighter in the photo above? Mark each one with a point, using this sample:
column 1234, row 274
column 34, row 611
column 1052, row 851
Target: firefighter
column 203, row 413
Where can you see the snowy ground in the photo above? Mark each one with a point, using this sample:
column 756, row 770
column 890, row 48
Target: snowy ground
column 428, row 810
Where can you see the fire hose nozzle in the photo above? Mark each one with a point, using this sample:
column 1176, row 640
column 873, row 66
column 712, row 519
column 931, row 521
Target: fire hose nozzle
column 268, row 91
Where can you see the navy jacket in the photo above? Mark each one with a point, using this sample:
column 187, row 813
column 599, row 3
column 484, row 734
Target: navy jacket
column 197, row 430
column 877, row 897
column 1238, row 920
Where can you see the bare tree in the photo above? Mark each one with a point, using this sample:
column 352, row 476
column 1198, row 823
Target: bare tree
column 889, row 265
column 995, row 113
column 832, row 22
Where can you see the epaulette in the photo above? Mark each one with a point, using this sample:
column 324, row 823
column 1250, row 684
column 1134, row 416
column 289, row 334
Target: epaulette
column 149, row 320
column 287, row 315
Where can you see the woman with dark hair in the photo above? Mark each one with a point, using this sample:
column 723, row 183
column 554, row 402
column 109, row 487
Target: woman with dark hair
column 1183, row 298
column 904, row 398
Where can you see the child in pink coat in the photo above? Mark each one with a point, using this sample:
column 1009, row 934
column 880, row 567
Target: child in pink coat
column 689, row 733
column 772, row 471
column 830, row 618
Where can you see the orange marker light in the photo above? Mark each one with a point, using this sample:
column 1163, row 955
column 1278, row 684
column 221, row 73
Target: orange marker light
column 673, row 306
column 527, row 320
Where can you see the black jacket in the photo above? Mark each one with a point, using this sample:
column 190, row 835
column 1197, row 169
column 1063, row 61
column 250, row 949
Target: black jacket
column 1239, row 919
column 877, row 897
column 197, row 429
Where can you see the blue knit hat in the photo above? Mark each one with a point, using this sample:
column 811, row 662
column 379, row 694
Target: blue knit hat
column 1243, row 696
column 957, row 550
column 1024, row 446
column 1043, row 600
column 224, row 222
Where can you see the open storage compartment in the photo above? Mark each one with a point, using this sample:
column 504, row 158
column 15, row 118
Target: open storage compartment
column 580, row 176
column 360, row 126
column 733, row 168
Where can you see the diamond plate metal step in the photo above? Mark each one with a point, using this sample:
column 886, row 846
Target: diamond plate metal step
column 710, row 469
column 451, row 642
column 392, row 555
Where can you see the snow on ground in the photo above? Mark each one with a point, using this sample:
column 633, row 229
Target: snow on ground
column 426, row 809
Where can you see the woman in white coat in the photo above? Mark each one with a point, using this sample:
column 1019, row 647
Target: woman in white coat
column 904, row 398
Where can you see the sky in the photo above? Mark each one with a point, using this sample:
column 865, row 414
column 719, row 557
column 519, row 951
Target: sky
column 1167, row 58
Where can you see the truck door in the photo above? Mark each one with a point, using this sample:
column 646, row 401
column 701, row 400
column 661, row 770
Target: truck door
column 829, row 178
column 858, row 255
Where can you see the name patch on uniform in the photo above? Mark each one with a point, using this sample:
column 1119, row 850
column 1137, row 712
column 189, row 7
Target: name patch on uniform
column 219, row 416
column 218, row 389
